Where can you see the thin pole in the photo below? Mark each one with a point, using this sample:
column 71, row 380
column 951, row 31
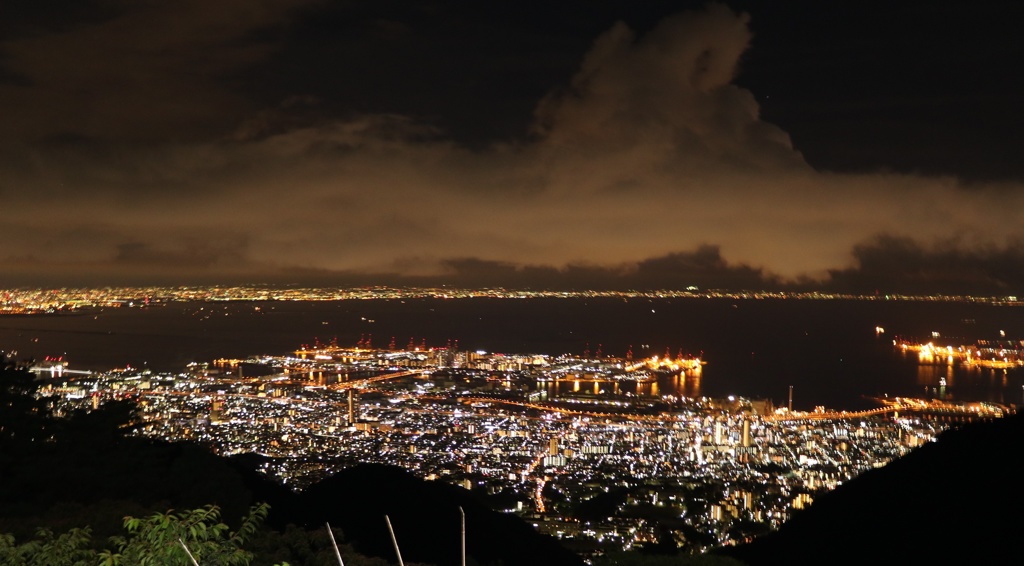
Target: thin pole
column 463, row 539
column 334, row 543
column 394, row 541
column 189, row 553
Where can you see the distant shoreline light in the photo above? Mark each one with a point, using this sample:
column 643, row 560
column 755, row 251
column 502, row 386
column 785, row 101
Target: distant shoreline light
column 24, row 301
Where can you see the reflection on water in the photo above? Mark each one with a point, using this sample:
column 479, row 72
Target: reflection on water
column 684, row 384
column 963, row 382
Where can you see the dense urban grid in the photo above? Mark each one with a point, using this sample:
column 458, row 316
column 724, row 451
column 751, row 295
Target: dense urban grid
column 604, row 453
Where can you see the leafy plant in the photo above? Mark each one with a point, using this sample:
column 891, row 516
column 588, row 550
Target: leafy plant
column 161, row 538
column 68, row 549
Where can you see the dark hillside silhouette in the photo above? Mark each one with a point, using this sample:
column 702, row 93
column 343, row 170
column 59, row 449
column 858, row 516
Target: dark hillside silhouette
column 425, row 516
column 958, row 500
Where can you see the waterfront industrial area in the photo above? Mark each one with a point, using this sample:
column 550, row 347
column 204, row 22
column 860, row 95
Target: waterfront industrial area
column 991, row 354
column 605, row 453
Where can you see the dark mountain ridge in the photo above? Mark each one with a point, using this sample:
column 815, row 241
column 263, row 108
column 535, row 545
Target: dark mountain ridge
column 957, row 500
column 63, row 485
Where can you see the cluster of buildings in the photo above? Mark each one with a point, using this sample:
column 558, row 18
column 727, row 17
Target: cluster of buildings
column 610, row 467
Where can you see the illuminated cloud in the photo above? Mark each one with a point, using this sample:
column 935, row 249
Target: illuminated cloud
column 138, row 161
column 666, row 100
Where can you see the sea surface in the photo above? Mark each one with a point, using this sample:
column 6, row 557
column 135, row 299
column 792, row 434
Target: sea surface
column 830, row 351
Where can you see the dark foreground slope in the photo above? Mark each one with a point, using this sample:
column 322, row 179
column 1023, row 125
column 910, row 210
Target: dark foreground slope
column 426, row 520
column 76, row 487
column 958, row 500
column 62, row 485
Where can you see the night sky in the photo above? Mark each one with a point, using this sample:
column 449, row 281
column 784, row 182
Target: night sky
column 808, row 144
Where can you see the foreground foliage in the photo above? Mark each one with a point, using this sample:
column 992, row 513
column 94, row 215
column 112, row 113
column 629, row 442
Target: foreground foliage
column 158, row 540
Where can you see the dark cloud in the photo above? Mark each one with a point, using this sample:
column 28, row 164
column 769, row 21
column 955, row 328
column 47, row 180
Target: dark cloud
column 902, row 265
column 198, row 252
column 136, row 72
column 704, row 268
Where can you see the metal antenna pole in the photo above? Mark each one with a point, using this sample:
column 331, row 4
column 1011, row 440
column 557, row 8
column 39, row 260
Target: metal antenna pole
column 188, row 552
column 463, row 539
column 398, row 553
column 334, row 543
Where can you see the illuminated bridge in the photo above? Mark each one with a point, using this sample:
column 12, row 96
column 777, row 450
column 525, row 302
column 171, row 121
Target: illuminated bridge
column 932, row 407
column 363, row 383
column 568, row 411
